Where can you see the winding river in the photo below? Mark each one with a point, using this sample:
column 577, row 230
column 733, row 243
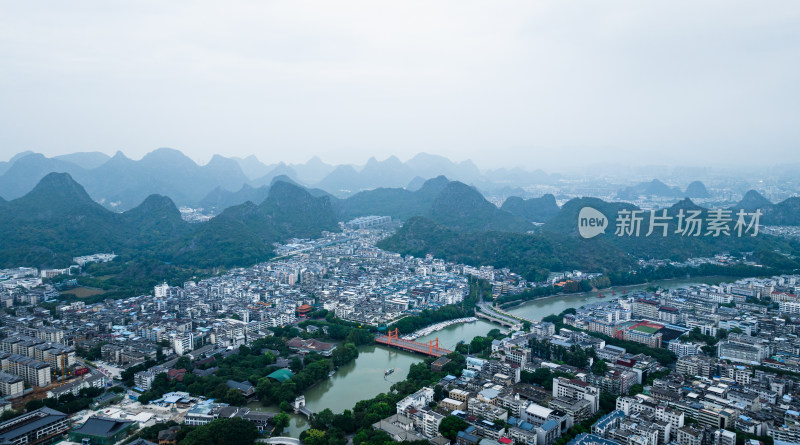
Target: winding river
column 364, row 378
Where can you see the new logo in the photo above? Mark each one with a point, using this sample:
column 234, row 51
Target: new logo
column 591, row 222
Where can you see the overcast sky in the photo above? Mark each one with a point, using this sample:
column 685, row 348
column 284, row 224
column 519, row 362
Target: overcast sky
column 539, row 84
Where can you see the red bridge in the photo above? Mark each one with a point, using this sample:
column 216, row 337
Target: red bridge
column 394, row 340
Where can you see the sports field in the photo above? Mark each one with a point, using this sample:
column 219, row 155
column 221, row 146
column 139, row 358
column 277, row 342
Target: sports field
column 646, row 329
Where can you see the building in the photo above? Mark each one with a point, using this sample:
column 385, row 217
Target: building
column 400, row 428
column 364, row 222
column 716, row 418
column 536, row 414
column 547, row 433
column 683, row 349
column 591, row 439
column 738, row 352
column 11, row 385
column 417, row 400
column 696, row 365
column 144, row 379
column 96, row 380
column 608, row 422
column 101, row 431
column 459, row 394
column 577, row 389
column 724, row 437
column 183, row 343
column 689, row 435
column 614, row 381
column 430, row 423
column 452, row 404
column 489, row 429
column 311, row 345
column 439, row 364
column 643, row 308
column 39, row 426
column 161, row 291
column 576, row 409
column 33, row 372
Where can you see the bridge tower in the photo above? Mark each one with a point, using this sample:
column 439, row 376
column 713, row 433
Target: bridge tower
column 299, row 402
column 431, row 345
column 395, row 334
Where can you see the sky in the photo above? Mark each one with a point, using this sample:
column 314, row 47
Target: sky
column 536, row 84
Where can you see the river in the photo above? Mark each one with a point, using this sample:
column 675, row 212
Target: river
column 538, row 309
column 364, row 377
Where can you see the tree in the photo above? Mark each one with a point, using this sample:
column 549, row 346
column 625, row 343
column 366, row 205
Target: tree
column 608, row 401
column 599, row 367
column 526, row 326
column 234, row 397
column 184, row 362
column 313, row 437
column 9, row 414
column 281, row 421
column 324, row 418
column 296, row 364
column 438, row 393
column 345, row 421
column 230, row 431
column 451, row 425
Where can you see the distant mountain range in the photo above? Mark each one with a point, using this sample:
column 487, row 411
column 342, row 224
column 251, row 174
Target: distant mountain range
column 58, row 220
column 656, row 188
column 120, row 183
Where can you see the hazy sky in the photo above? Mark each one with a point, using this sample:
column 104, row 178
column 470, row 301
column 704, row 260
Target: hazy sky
column 531, row 83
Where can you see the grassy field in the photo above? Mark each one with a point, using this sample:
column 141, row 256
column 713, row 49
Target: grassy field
column 646, row 329
column 84, row 292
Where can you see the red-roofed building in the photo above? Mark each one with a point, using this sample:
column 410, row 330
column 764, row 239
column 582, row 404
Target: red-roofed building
column 176, row 374
column 304, row 310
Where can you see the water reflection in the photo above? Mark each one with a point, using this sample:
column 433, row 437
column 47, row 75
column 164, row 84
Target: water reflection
column 364, row 378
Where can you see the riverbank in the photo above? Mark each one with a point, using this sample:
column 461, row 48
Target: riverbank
column 363, row 378
column 554, row 304
column 710, row 279
column 437, row 327
column 518, row 303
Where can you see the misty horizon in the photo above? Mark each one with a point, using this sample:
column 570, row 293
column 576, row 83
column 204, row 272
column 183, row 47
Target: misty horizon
column 541, row 86
column 570, row 170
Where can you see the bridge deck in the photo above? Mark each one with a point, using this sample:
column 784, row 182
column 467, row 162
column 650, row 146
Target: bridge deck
column 413, row 346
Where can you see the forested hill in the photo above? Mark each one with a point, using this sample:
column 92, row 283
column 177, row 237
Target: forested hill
column 450, row 203
column 57, row 220
column 531, row 255
column 535, row 209
column 558, row 247
column 784, row 213
column 674, row 246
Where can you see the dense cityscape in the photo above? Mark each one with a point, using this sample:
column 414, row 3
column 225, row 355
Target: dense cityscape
column 696, row 364
column 350, row 222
